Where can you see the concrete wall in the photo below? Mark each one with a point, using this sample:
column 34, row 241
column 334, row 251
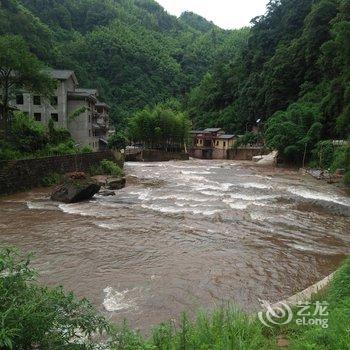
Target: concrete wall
column 154, row 155
column 46, row 108
column 224, row 144
column 244, row 153
column 20, row 175
column 213, row 153
column 81, row 126
column 219, row 153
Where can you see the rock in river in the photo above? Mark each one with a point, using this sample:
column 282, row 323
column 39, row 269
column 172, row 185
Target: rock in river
column 75, row 189
column 116, row 183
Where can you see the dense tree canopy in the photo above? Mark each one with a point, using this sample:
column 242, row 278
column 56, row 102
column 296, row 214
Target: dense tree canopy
column 160, row 128
column 293, row 73
column 19, row 69
column 133, row 51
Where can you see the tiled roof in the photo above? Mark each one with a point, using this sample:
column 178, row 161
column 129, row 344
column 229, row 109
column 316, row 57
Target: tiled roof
column 102, row 104
column 62, row 74
column 212, row 130
column 80, row 95
column 88, row 91
column 225, row 137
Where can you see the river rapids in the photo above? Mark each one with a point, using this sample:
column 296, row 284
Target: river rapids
column 184, row 236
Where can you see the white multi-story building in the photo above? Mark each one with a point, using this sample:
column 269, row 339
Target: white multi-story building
column 73, row 108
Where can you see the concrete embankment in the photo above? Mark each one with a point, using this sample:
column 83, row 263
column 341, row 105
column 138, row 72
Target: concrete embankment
column 307, row 293
column 154, row 155
column 20, row 175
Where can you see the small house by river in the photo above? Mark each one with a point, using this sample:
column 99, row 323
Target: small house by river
column 211, row 143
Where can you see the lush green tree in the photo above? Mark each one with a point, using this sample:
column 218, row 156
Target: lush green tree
column 294, row 132
column 117, row 141
column 159, row 127
column 27, row 138
column 20, row 69
column 16, row 19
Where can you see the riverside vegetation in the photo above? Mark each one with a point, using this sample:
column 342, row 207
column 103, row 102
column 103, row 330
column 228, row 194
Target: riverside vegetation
column 27, row 138
column 58, row 320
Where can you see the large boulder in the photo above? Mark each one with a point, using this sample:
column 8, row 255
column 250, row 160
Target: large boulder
column 76, row 187
column 115, row 183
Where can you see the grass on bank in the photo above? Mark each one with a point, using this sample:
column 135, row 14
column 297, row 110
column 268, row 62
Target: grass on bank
column 35, row 317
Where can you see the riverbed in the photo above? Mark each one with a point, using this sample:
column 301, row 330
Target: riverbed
column 184, row 236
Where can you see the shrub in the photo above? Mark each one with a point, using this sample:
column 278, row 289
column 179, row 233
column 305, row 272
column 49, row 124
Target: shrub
column 106, row 167
column 117, row 141
column 58, row 135
column 86, row 149
column 347, row 178
column 324, row 153
column 248, row 138
column 341, row 160
column 51, row 180
column 8, row 153
column 27, row 135
column 110, row 168
column 338, row 159
column 28, row 138
column 34, row 317
column 60, row 149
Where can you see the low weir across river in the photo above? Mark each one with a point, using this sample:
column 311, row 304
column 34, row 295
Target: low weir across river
column 183, row 236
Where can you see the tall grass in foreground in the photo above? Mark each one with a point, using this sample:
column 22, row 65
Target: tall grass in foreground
column 223, row 329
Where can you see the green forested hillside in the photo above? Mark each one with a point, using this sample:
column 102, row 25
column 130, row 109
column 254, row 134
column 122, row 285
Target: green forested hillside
column 294, row 74
column 291, row 69
column 132, row 50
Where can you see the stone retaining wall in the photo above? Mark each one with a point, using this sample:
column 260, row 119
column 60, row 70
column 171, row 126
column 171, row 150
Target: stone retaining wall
column 246, row 153
column 155, row 155
column 20, row 175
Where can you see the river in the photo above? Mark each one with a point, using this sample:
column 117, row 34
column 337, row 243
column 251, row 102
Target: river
column 183, row 236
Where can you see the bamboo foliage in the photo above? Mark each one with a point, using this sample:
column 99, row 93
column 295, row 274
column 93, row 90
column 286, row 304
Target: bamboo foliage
column 159, row 128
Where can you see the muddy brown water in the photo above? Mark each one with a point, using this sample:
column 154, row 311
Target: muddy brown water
column 184, row 236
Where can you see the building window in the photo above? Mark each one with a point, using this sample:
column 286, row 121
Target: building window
column 89, row 133
column 224, row 144
column 37, row 117
column 37, row 100
column 217, row 143
column 54, row 100
column 54, row 117
column 19, row 99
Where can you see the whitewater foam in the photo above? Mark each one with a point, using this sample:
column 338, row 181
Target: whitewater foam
column 116, row 301
column 318, row 196
column 142, row 194
column 78, row 209
column 238, row 206
column 107, row 226
column 180, row 210
column 247, row 197
column 255, row 185
column 40, row 205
